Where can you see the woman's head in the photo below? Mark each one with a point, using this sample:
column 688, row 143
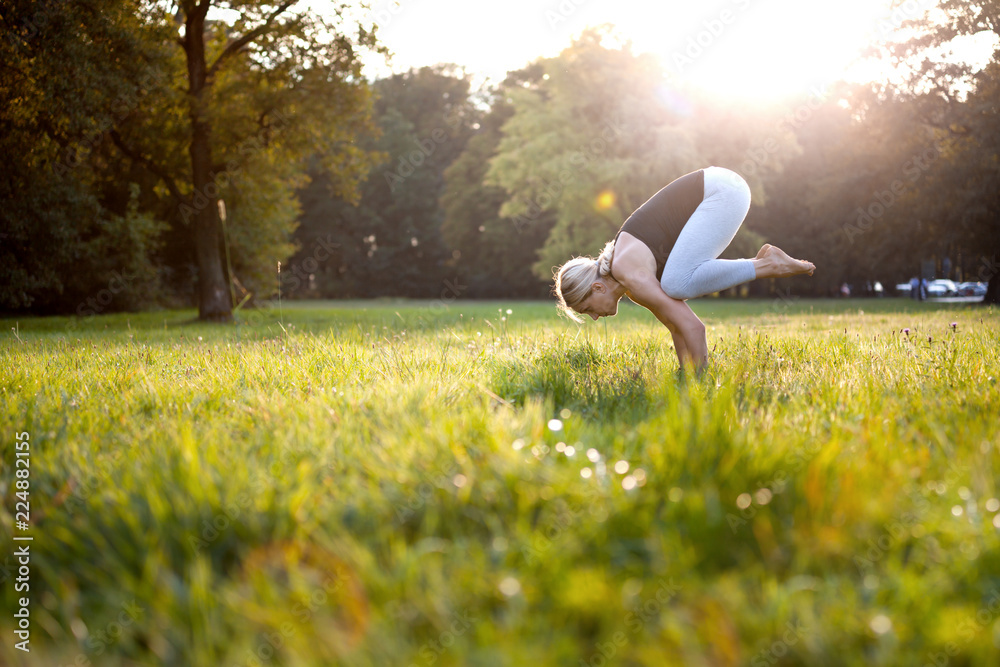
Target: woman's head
column 575, row 285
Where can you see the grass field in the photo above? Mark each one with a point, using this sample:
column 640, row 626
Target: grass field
column 422, row 483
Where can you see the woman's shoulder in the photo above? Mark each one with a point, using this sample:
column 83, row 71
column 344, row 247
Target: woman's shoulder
column 632, row 258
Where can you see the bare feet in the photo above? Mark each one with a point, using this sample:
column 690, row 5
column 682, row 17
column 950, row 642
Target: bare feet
column 773, row 262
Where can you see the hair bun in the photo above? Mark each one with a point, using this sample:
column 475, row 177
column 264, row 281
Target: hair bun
column 604, row 259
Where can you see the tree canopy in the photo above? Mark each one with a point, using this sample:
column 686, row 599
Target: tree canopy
column 193, row 111
column 130, row 127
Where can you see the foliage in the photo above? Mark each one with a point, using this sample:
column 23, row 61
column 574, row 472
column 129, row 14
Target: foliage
column 841, row 208
column 492, row 255
column 58, row 208
column 390, row 243
column 280, row 90
column 468, row 193
column 958, row 202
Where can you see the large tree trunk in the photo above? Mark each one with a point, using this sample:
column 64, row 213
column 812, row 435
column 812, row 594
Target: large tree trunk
column 993, row 290
column 214, row 300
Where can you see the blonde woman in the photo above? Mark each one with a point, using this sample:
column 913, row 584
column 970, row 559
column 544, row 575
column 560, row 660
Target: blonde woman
column 667, row 252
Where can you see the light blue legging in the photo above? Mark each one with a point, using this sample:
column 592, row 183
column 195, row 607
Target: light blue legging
column 692, row 267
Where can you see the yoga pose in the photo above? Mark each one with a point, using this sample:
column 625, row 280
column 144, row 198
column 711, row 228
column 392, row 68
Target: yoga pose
column 666, row 252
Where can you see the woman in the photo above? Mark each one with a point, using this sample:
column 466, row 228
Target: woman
column 666, row 252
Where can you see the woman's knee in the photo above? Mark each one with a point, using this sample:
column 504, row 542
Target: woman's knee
column 732, row 179
column 741, row 191
column 735, row 188
column 677, row 287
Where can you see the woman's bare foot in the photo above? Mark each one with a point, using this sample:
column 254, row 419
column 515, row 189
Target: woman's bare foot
column 773, row 262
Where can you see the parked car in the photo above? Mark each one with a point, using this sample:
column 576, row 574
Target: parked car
column 903, row 288
column 972, row 289
column 942, row 287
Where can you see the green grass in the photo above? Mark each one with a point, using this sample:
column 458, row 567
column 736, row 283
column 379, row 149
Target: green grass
column 381, row 483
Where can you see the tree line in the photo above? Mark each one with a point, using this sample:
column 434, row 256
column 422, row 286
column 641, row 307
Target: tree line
column 211, row 151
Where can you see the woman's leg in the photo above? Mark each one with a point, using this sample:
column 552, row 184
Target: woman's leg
column 692, row 268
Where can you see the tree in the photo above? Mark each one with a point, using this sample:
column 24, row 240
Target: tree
column 962, row 191
column 846, row 201
column 975, row 178
column 65, row 237
column 391, row 244
column 491, row 254
column 304, row 87
column 201, row 110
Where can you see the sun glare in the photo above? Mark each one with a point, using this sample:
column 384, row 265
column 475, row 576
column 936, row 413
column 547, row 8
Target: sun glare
column 756, row 50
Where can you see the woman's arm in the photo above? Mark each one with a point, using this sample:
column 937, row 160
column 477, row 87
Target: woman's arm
column 687, row 330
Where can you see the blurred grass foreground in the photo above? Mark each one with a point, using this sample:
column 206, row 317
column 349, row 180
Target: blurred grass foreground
column 416, row 484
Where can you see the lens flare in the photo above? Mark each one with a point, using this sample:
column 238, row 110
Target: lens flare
column 605, row 200
column 673, row 101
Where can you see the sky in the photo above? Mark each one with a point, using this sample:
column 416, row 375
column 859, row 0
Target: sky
column 740, row 49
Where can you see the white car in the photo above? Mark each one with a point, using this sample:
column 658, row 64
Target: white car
column 972, row 289
column 942, row 287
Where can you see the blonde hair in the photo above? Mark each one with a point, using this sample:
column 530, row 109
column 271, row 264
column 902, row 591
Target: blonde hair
column 575, row 280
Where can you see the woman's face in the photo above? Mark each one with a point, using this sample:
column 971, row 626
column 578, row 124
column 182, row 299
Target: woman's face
column 600, row 303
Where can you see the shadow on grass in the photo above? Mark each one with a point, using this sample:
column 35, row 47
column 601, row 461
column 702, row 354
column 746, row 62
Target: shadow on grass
column 610, row 385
